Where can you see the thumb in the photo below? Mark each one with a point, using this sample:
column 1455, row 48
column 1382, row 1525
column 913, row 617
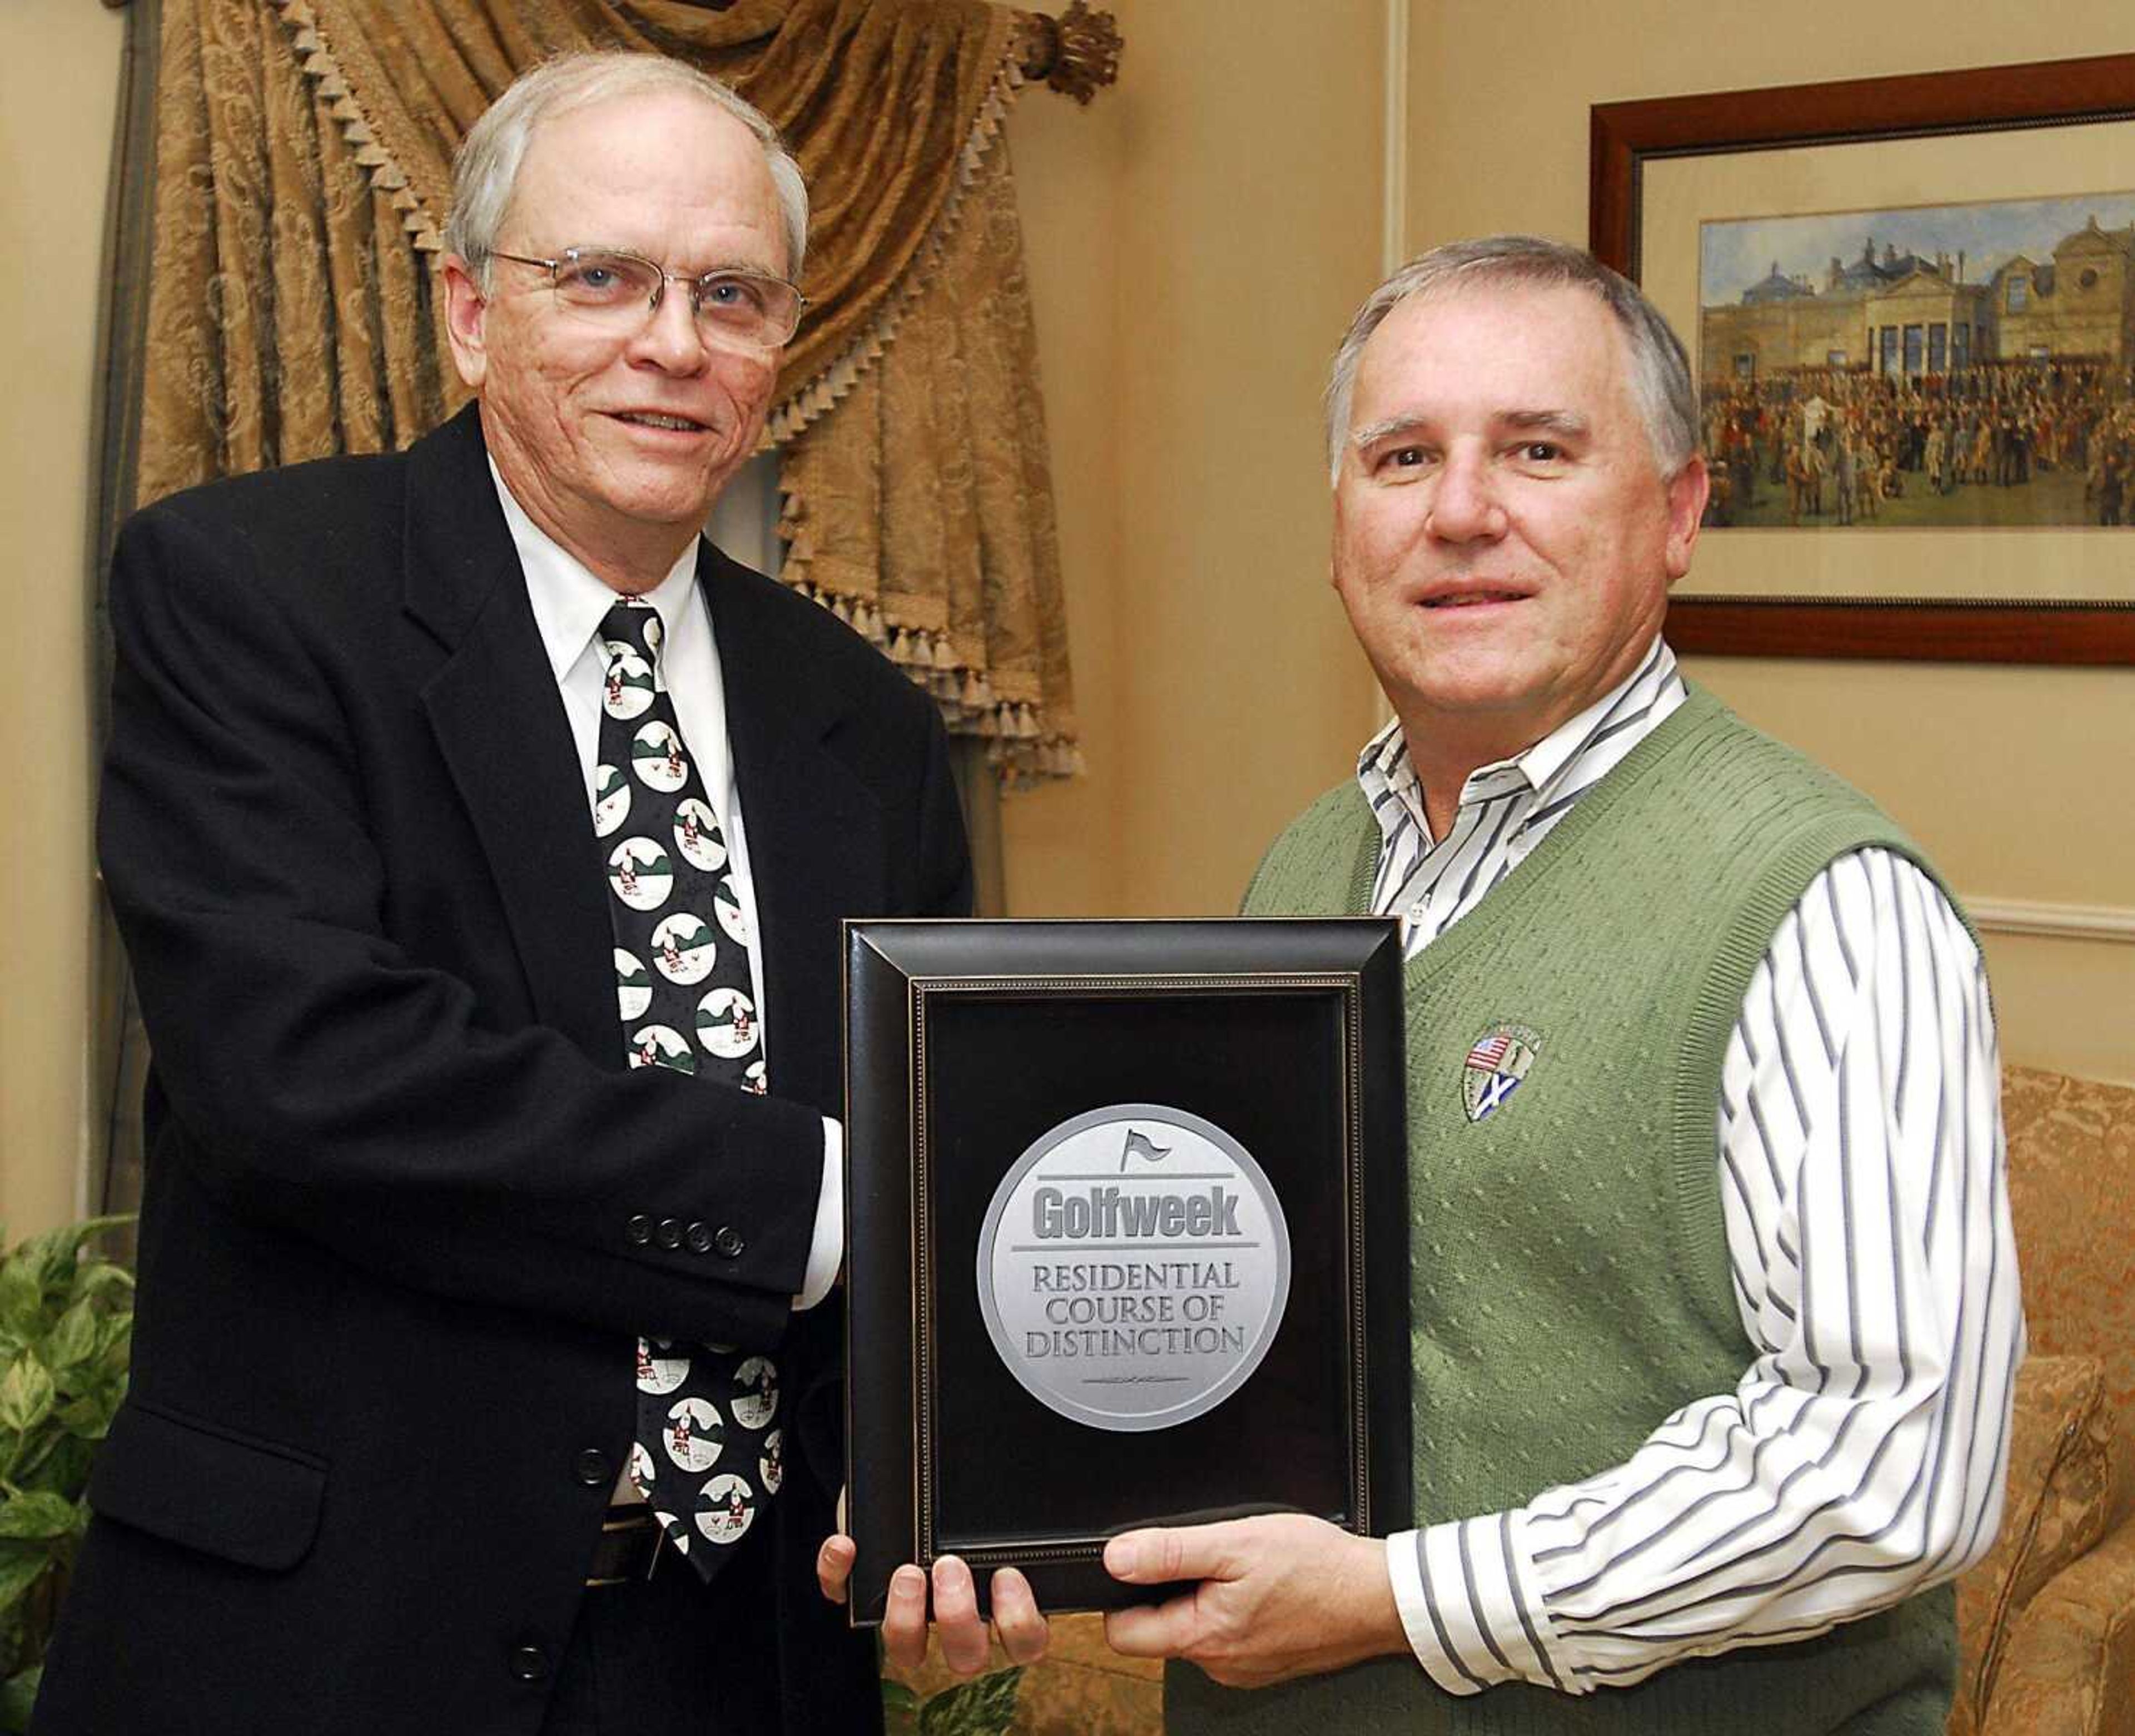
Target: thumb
column 1157, row 1555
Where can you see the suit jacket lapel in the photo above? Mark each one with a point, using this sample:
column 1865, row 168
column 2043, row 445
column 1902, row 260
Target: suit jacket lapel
column 499, row 724
column 815, row 831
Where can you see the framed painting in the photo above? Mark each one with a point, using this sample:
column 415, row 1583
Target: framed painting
column 1910, row 308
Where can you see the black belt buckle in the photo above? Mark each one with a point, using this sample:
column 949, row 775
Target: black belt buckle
column 630, row 1547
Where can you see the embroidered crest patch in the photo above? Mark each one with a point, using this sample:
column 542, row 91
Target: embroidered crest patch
column 1495, row 1066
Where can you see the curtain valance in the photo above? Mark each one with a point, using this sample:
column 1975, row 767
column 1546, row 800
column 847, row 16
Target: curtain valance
column 303, row 174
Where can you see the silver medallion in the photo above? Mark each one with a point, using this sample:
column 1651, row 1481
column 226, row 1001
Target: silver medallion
column 1133, row 1267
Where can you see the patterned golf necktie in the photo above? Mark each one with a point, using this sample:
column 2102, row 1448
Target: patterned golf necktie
column 706, row 1456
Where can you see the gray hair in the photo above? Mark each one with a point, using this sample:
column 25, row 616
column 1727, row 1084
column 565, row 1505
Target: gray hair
column 485, row 170
column 1660, row 369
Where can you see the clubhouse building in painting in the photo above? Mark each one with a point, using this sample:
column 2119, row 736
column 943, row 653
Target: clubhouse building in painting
column 1906, row 315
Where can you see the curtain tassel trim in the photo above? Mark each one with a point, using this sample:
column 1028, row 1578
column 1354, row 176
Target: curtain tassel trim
column 1020, row 744
column 817, row 397
column 385, row 175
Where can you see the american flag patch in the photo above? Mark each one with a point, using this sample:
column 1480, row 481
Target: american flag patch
column 1491, row 1051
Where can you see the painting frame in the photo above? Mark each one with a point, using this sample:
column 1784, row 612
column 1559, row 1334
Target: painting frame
column 1626, row 136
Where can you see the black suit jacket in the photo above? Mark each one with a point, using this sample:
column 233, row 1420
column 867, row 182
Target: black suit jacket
column 388, row 1291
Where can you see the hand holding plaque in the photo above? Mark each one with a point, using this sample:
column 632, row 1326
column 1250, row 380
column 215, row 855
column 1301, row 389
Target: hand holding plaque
column 951, row 1595
column 1273, row 1596
column 1122, row 1198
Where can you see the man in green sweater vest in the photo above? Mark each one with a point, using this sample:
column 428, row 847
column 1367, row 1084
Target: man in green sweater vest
column 1714, row 1303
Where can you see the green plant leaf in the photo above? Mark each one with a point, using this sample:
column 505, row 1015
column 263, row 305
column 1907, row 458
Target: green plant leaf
column 115, row 1333
column 22, row 1294
column 94, row 1277
column 21, row 1566
column 26, row 1394
column 64, row 1469
column 55, row 1253
column 900, row 1706
column 984, row 1706
column 87, row 1417
column 60, row 1251
column 73, row 1341
column 83, row 1229
column 36, row 1513
column 70, row 1384
column 65, row 1336
column 18, row 1694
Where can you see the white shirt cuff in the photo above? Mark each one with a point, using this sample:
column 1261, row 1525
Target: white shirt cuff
column 1457, row 1587
column 826, row 1247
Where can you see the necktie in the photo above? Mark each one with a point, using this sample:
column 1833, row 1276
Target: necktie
column 706, row 1456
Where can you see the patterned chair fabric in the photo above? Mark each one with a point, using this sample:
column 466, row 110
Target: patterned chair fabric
column 2048, row 1620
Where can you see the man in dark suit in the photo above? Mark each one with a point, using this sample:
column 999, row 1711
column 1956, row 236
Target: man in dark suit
column 411, row 1196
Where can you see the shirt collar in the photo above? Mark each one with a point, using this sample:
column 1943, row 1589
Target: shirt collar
column 569, row 602
column 1383, row 768
column 1548, row 760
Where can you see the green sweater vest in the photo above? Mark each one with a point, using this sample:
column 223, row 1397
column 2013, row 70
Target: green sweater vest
column 1569, row 1285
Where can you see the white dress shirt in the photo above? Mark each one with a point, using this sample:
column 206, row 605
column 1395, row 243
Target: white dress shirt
column 569, row 604
column 1860, row 1458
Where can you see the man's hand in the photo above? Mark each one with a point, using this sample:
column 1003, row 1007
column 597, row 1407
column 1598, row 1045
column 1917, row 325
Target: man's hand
column 1024, row 1633
column 1280, row 1595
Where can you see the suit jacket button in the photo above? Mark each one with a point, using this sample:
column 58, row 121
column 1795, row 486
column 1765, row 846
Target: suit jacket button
column 699, row 1236
column 729, row 1241
column 591, row 1468
column 639, row 1229
column 669, row 1233
column 530, row 1663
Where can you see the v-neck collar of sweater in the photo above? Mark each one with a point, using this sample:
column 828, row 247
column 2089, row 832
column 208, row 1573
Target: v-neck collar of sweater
column 1509, row 899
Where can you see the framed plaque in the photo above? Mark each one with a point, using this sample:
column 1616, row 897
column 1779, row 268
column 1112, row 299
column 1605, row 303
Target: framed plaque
column 1126, row 1216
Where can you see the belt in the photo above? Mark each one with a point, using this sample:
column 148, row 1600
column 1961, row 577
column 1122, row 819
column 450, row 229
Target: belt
column 630, row 1546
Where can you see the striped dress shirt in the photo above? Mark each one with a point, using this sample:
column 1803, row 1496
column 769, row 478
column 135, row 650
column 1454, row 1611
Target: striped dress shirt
column 1860, row 1458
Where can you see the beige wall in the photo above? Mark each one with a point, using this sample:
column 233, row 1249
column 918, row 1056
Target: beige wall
column 2015, row 778
column 1197, row 237
column 59, row 81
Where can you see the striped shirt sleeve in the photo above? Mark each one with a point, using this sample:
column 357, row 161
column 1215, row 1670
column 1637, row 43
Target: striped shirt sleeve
column 1861, row 1456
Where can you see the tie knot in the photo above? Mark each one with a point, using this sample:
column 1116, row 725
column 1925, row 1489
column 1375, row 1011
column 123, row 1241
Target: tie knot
column 631, row 628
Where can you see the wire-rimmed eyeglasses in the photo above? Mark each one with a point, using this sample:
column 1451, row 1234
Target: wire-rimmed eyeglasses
column 623, row 290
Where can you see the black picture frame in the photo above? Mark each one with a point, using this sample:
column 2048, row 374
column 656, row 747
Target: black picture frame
column 966, row 1042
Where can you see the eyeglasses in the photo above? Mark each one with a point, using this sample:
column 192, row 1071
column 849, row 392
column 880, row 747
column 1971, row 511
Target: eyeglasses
column 621, row 291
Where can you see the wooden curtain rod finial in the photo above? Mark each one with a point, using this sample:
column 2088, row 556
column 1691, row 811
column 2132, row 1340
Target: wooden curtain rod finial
column 1077, row 53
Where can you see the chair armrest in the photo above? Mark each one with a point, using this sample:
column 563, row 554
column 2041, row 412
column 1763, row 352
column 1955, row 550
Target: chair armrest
column 2069, row 1666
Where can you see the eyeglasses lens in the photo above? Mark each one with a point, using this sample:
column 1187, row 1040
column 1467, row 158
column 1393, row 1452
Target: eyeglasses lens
column 618, row 287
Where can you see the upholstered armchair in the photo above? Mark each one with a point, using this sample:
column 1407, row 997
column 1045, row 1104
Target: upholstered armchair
column 2047, row 1621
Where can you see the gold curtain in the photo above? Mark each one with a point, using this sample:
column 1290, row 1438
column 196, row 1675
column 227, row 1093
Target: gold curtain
column 303, row 151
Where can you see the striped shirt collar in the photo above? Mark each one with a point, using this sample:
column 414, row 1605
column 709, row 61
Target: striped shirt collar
column 1635, row 707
